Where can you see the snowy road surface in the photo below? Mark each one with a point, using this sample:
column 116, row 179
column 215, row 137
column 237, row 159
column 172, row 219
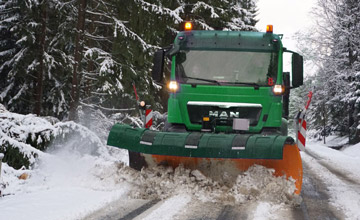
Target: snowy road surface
column 315, row 205
column 76, row 186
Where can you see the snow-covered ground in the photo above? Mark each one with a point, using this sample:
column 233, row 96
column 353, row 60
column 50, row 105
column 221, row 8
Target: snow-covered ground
column 63, row 185
column 72, row 180
column 340, row 170
column 66, row 184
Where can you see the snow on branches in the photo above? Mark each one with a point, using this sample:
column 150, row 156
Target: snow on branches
column 29, row 135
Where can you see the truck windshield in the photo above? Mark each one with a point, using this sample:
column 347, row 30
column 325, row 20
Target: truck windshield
column 232, row 67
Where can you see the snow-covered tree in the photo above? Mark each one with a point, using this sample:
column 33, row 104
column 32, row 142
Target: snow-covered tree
column 31, row 63
column 63, row 55
column 22, row 61
column 335, row 44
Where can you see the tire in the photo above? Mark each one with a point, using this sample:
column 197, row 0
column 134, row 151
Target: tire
column 136, row 161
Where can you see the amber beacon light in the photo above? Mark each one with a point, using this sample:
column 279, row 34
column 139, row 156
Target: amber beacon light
column 188, row 26
column 269, row 28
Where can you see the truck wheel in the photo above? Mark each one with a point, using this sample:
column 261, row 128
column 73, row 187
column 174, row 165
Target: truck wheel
column 136, row 161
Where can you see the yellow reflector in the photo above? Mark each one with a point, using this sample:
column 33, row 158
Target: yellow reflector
column 173, row 86
column 269, row 28
column 142, row 103
column 188, row 26
column 279, row 89
column 206, row 119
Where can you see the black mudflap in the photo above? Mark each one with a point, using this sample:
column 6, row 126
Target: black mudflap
column 136, row 161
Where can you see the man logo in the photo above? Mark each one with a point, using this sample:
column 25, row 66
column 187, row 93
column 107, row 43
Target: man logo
column 224, row 114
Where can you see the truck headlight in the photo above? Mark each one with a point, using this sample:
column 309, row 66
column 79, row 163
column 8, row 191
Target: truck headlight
column 279, row 89
column 173, row 86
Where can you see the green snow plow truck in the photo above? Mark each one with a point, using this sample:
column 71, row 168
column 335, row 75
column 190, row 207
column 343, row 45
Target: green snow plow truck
column 227, row 107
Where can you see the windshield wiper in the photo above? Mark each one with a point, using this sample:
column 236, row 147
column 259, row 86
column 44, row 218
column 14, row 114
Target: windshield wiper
column 256, row 86
column 200, row 79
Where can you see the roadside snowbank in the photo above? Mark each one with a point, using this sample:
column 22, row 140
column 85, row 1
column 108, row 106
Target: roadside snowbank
column 67, row 183
column 340, row 171
column 25, row 137
column 346, row 160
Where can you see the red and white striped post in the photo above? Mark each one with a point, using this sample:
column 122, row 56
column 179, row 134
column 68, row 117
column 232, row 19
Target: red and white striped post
column 148, row 118
column 301, row 134
column 301, row 125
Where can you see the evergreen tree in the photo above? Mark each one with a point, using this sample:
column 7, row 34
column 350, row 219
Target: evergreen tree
column 335, row 43
column 61, row 55
column 222, row 15
column 22, row 71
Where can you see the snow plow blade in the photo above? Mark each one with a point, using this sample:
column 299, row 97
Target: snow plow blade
column 213, row 154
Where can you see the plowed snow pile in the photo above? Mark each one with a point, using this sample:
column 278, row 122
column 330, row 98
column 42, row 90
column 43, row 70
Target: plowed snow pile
column 69, row 184
column 257, row 183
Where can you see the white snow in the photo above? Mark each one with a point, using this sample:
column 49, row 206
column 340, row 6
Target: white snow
column 353, row 151
column 67, row 183
column 64, row 185
column 346, row 160
column 56, row 203
column 72, row 180
column 344, row 192
column 169, row 208
column 264, row 210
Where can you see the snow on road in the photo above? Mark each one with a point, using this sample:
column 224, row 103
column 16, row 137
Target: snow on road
column 70, row 184
column 346, row 160
column 65, row 185
column 264, row 210
column 340, row 171
column 167, row 209
column 56, row 203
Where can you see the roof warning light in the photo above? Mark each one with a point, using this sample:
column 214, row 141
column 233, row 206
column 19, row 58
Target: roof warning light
column 188, row 26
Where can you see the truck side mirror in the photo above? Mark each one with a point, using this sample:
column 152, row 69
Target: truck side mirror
column 286, row 79
column 286, row 96
column 297, row 70
column 158, row 68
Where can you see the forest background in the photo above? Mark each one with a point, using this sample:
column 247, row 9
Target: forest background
column 61, row 58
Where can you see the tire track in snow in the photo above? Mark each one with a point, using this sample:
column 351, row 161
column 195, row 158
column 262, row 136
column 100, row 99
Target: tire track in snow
column 229, row 213
column 198, row 210
column 337, row 172
column 140, row 210
column 340, row 190
column 167, row 209
column 259, row 210
column 121, row 209
column 315, row 204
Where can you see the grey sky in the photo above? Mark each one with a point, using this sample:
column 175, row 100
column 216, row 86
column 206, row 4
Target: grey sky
column 287, row 17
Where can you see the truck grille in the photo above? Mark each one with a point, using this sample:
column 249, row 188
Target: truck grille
column 197, row 112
